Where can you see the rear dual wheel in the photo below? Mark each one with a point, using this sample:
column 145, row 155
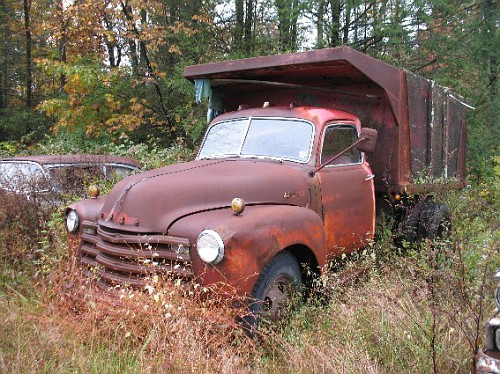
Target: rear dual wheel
column 434, row 222
column 425, row 220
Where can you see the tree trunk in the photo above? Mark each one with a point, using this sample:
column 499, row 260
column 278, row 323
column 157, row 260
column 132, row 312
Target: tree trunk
column 320, row 25
column 4, row 55
column 150, row 73
column 111, row 46
column 143, row 52
column 239, row 27
column 335, row 8
column 490, row 31
column 248, row 27
column 288, row 13
column 347, row 24
column 29, row 60
column 132, row 43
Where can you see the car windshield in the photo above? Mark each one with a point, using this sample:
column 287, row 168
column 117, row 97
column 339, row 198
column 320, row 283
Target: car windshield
column 74, row 178
column 284, row 139
column 22, row 176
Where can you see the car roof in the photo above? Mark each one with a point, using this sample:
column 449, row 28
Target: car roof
column 75, row 159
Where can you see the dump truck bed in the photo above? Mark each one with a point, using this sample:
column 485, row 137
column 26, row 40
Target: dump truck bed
column 422, row 127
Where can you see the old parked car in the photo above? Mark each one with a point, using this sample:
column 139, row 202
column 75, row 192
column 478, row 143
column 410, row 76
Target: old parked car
column 488, row 361
column 289, row 175
column 45, row 180
column 58, row 174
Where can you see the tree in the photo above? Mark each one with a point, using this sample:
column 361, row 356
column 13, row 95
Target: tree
column 288, row 14
column 29, row 61
column 57, row 52
column 245, row 25
column 4, row 55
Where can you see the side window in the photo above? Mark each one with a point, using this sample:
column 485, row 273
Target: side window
column 336, row 139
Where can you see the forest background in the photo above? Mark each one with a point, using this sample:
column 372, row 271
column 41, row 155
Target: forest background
column 98, row 72
column 105, row 76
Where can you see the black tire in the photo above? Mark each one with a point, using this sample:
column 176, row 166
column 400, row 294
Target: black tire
column 278, row 286
column 407, row 229
column 435, row 221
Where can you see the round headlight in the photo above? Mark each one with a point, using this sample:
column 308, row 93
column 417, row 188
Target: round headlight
column 210, row 247
column 72, row 221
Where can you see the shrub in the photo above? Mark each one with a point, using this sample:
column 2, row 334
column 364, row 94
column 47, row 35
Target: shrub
column 24, row 125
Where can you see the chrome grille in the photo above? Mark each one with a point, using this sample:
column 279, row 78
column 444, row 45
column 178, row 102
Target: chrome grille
column 124, row 258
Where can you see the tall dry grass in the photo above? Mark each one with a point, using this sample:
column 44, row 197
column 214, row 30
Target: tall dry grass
column 417, row 311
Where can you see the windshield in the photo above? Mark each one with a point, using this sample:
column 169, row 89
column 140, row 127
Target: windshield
column 22, row 176
column 74, row 178
column 286, row 139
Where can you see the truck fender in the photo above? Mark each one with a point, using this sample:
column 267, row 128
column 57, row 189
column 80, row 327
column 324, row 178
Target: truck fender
column 88, row 211
column 251, row 241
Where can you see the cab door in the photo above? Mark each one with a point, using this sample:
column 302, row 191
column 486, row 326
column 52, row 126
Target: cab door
column 347, row 191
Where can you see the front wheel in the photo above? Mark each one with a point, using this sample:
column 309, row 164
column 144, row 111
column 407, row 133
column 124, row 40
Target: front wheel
column 278, row 286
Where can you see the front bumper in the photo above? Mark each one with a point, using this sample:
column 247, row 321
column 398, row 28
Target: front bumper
column 488, row 361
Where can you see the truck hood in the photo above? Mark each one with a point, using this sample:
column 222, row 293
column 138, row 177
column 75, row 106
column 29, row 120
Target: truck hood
column 150, row 202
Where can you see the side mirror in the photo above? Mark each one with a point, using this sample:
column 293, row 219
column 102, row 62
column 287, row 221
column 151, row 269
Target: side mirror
column 367, row 140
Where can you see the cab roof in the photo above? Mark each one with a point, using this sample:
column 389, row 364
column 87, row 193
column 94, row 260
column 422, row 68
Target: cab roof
column 318, row 116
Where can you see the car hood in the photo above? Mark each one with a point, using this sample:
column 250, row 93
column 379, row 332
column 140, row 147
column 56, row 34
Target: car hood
column 152, row 201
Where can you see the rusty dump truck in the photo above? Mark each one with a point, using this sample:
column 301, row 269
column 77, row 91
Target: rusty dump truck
column 302, row 152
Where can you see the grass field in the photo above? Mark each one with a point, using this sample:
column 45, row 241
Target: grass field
column 420, row 311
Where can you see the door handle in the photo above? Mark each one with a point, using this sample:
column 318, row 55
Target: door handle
column 369, row 177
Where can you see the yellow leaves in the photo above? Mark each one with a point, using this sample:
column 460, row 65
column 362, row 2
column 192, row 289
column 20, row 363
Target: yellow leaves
column 111, row 103
column 139, row 109
column 174, row 49
column 136, row 107
column 99, row 100
column 123, row 122
column 48, row 107
column 137, row 114
column 180, row 27
column 203, row 18
column 152, row 35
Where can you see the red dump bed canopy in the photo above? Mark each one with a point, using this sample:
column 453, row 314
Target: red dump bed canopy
column 421, row 125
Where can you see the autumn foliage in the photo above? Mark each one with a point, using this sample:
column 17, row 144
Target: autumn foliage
column 105, row 68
